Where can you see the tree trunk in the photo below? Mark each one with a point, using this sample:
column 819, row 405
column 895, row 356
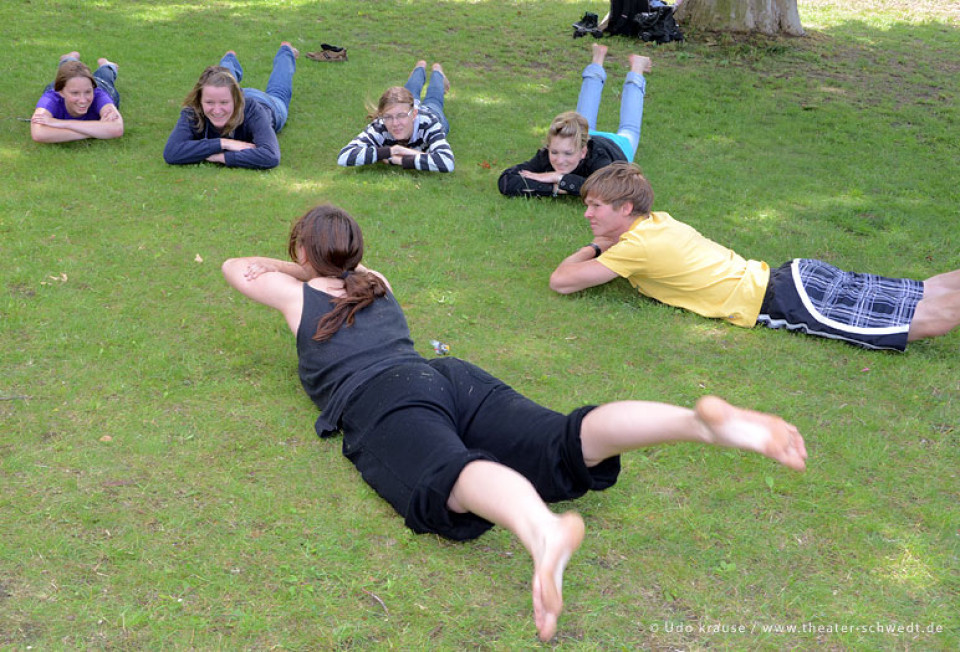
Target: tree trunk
column 770, row 17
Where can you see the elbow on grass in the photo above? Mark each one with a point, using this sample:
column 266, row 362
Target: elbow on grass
column 558, row 286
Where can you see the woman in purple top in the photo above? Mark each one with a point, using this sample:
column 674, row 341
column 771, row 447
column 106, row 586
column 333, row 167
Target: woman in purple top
column 78, row 104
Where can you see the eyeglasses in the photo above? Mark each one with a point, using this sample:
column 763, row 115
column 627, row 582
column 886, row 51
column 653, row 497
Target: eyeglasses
column 397, row 117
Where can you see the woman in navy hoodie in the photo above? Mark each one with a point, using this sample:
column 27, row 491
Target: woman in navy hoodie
column 222, row 123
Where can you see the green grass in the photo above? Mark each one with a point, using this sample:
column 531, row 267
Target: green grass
column 213, row 518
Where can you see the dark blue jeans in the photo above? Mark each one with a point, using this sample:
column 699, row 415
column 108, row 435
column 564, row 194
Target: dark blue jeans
column 279, row 86
column 435, row 92
column 106, row 78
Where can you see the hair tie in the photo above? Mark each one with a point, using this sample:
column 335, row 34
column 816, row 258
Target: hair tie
column 343, row 277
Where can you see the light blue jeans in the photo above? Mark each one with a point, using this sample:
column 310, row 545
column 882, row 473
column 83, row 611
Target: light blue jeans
column 435, row 91
column 279, row 86
column 105, row 76
column 631, row 107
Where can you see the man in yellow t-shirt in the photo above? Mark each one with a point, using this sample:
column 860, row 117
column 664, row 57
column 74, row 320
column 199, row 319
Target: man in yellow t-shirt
column 673, row 263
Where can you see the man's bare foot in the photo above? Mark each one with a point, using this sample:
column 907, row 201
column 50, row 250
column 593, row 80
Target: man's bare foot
column 70, row 55
column 766, row 434
column 296, row 52
column 103, row 61
column 599, row 53
column 551, row 559
column 446, row 82
column 640, row 64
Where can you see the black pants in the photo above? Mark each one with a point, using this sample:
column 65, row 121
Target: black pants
column 412, row 429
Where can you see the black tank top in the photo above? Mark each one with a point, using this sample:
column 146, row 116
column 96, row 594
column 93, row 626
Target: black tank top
column 332, row 370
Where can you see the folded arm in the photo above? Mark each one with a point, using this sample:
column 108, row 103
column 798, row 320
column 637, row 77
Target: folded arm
column 533, row 178
column 272, row 282
column 44, row 128
column 261, row 151
column 186, row 145
column 368, row 147
column 581, row 270
column 437, row 158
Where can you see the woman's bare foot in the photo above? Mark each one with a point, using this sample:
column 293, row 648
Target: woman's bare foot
column 640, row 64
column 599, row 53
column 296, row 52
column 70, row 55
column 103, row 61
column 758, row 432
column 549, row 563
column 446, row 82
column 233, row 52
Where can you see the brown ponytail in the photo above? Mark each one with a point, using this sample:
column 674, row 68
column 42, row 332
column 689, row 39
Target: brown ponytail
column 332, row 244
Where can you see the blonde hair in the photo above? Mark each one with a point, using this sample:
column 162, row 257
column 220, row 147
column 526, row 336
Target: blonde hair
column 218, row 77
column 391, row 96
column 569, row 124
column 617, row 184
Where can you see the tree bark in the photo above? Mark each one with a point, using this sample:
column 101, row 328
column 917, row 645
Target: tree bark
column 770, row 17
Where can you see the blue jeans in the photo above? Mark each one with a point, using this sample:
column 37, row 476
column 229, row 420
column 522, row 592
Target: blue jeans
column 105, row 76
column 434, row 97
column 279, row 86
column 631, row 107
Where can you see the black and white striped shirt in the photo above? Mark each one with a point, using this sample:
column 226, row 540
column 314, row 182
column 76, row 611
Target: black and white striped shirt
column 373, row 144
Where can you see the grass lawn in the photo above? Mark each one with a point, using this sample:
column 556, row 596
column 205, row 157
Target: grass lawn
column 162, row 486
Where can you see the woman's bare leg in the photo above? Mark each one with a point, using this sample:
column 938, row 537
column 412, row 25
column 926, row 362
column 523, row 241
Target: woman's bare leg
column 616, row 428
column 503, row 496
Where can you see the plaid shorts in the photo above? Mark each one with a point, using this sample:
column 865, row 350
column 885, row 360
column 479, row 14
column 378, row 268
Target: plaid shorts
column 864, row 309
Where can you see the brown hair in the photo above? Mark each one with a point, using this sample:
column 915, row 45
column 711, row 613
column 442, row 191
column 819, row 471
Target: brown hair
column 569, row 124
column 618, row 183
column 391, row 96
column 70, row 69
column 219, row 77
column 332, row 245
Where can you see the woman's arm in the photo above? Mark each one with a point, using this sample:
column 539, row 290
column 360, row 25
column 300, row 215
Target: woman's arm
column 257, row 128
column 185, row 145
column 514, row 183
column 368, row 147
column 44, row 128
column 272, row 282
column 438, row 156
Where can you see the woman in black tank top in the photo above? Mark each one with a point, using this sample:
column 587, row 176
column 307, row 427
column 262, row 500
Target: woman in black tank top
column 453, row 449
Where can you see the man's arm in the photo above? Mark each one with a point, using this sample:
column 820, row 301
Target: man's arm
column 581, row 270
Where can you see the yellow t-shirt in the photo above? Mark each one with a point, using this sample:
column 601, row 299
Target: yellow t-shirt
column 672, row 262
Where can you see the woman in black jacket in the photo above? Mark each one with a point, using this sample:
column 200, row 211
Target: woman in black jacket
column 574, row 149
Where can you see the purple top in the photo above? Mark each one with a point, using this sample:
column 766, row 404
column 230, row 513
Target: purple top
column 53, row 102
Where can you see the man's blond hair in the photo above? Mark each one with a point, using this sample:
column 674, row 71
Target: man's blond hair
column 617, row 184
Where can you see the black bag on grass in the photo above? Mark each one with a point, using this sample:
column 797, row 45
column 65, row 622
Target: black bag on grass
column 637, row 18
column 620, row 18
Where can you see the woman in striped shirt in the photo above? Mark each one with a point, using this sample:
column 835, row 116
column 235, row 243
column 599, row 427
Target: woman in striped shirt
column 405, row 131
